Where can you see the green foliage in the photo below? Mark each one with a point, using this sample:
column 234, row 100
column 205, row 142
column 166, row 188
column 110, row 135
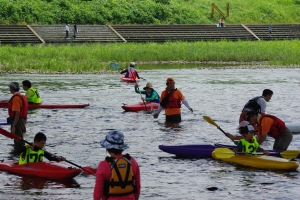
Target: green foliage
column 96, row 57
column 146, row 11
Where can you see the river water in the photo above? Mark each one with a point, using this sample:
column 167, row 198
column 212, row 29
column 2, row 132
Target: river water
column 218, row 93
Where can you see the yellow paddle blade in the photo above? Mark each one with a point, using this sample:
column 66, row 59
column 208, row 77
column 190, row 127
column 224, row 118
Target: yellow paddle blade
column 209, row 120
column 290, row 154
column 223, row 153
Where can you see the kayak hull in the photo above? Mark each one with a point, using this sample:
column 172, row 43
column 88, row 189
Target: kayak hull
column 3, row 122
column 141, row 106
column 261, row 162
column 128, row 79
column 4, row 104
column 49, row 169
column 200, row 150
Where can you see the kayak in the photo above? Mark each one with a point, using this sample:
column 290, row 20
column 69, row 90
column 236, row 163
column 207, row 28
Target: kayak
column 4, row 104
column 141, row 106
column 293, row 127
column 46, row 169
column 128, row 79
column 201, row 150
column 259, row 161
column 3, row 122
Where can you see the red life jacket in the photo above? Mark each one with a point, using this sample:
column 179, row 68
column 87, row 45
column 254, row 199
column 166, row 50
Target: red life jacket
column 23, row 109
column 277, row 127
column 173, row 102
column 132, row 73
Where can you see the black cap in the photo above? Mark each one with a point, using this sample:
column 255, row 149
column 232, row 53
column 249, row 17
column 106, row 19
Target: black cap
column 250, row 114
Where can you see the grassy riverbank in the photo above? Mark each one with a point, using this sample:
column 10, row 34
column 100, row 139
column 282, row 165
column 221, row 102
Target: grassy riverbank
column 96, row 57
column 147, row 11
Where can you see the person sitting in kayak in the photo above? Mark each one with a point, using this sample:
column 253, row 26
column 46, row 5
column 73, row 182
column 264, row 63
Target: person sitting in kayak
column 269, row 125
column 32, row 94
column 151, row 94
column 249, row 143
column 118, row 176
column 238, row 137
column 131, row 72
column 35, row 152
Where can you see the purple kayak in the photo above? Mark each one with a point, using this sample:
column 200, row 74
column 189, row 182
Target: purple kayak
column 3, row 122
column 199, row 150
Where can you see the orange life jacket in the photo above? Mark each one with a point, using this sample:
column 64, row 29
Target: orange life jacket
column 121, row 182
column 23, row 109
column 277, row 127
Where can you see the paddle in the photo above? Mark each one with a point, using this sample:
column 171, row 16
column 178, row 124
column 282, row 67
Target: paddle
column 87, row 170
column 132, row 77
column 209, row 120
column 227, row 153
column 114, row 65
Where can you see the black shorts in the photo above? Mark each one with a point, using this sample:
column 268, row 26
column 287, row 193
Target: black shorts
column 173, row 118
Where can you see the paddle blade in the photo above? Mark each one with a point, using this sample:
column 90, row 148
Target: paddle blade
column 209, row 120
column 89, row 170
column 9, row 135
column 289, row 154
column 223, row 153
column 114, row 65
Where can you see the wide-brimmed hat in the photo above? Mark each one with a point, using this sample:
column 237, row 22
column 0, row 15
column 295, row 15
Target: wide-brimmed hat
column 148, row 85
column 14, row 85
column 114, row 140
column 242, row 124
column 132, row 64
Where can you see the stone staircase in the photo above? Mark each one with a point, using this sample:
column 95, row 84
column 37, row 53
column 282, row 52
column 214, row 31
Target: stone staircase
column 17, row 34
column 22, row 34
column 86, row 34
column 163, row 33
column 279, row 31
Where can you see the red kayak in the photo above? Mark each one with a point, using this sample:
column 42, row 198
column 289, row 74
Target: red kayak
column 141, row 106
column 4, row 104
column 128, row 79
column 47, row 169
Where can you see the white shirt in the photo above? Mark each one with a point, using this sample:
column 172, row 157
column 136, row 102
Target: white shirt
column 263, row 104
column 67, row 28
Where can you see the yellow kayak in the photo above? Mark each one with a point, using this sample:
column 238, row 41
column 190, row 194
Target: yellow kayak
column 256, row 161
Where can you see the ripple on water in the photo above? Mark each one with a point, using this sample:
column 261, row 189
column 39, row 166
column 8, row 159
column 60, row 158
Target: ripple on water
column 220, row 94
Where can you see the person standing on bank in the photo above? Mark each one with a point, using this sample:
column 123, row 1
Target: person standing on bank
column 17, row 111
column 118, row 176
column 67, row 30
column 32, row 94
column 257, row 104
column 272, row 126
column 75, row 31
column 171, row 100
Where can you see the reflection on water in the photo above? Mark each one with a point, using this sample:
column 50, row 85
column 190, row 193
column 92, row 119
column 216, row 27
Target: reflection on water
column 217, row 93
column 27, row 183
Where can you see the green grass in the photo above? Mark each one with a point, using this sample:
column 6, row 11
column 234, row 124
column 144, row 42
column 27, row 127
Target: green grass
column 147, row 11
column 96, row 57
